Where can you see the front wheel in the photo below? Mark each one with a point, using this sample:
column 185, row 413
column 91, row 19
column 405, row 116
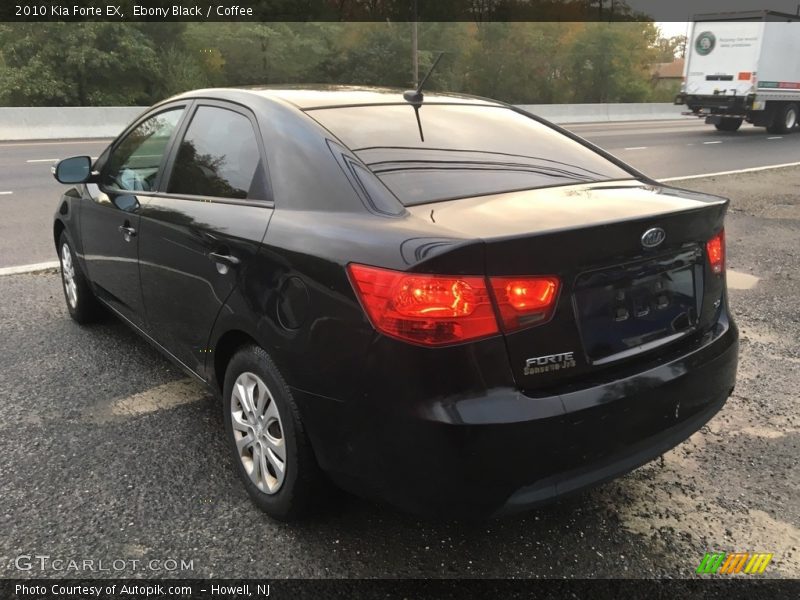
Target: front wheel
column 81, row 302
column 729, row 124
column 271, row 452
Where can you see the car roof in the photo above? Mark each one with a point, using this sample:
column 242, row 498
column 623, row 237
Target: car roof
column 331, row 96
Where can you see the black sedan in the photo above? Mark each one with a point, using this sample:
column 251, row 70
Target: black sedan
column 440, row 301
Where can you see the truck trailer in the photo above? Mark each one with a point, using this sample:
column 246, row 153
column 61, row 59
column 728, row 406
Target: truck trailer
column 744, row 66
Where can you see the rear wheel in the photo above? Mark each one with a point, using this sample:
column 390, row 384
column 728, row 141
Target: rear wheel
column 82, row 305
column 785, row 119
column 728, row 124
column 271, row 452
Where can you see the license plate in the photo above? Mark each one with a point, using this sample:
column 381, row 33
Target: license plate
column 623, row 309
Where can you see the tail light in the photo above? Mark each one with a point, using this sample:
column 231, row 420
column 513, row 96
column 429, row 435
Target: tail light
column 432, row 310
column 715, row 249
column 523, row 302
column 437, row 310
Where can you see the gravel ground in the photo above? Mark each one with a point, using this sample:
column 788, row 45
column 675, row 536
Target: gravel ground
column 108, row 452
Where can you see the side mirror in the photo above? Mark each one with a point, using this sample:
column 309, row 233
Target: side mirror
column 77, row 169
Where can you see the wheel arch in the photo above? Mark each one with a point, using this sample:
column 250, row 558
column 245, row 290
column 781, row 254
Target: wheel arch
column 222, row 352
column 66, row 218
column 58, row 229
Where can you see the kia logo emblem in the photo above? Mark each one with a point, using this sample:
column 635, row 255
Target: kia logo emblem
column 653, row 237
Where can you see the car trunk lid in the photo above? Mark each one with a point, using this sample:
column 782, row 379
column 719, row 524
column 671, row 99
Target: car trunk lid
column 618, row 298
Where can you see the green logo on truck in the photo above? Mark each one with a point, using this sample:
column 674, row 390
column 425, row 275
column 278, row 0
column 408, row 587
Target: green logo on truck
column 705, row 43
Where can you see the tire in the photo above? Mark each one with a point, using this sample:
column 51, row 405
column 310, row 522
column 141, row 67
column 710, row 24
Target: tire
column 786, row 119
column 81, row 302
column 286, row 494
column 729, row 124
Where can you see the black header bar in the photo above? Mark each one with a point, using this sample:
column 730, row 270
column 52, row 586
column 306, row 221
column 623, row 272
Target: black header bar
column 375, row 10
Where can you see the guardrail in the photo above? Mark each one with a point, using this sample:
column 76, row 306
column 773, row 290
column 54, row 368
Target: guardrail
column 44, row 123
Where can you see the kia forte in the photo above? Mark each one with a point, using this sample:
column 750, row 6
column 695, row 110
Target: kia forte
column 435, row 300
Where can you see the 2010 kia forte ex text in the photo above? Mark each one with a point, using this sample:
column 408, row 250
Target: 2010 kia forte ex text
column 439, row 301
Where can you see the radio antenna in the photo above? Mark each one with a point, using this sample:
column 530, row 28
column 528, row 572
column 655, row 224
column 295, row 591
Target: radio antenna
column 415, row 96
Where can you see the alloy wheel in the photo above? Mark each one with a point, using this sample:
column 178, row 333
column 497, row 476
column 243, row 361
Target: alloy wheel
column 258, row 432
column 68, row 276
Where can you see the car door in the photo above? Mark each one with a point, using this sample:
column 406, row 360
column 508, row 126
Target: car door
column 110, row 217
column 198, row 236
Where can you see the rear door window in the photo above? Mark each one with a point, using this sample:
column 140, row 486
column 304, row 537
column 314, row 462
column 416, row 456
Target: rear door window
column 219, row 157
column 448, row 151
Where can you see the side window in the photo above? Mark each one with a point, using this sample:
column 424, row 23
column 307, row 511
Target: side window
column 218, row 157
column 134, row 163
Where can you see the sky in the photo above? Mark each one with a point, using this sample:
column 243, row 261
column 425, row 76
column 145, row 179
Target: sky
column 672, row 28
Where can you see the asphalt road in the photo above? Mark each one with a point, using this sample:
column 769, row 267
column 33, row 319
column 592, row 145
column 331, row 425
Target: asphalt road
column 29, row 196
column 108, row 452
column 664, row 149
column 28, row 193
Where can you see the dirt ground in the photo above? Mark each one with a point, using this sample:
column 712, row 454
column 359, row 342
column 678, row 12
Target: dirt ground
column 735, row 486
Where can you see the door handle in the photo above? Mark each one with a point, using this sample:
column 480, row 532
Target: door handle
column 224, row 262
column 127, row 232
column 225, row 259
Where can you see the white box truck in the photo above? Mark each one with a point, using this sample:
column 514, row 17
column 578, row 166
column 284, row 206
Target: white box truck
column 744, row 67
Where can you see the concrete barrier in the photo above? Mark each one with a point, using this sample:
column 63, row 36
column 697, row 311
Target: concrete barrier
column 601, row 113
column 65, row 122
column 43, row 123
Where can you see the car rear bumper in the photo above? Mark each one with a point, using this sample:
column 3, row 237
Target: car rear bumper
column 611, row 466
column 501, row 451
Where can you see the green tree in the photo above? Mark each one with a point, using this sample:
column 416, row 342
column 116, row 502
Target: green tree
column 261, row 53
column 179, row 67
column 521, row 62
column 180, row 72
column 488, row 60
column 77, row 64
column 670, row 48
column 611, row 62
column 374, row 54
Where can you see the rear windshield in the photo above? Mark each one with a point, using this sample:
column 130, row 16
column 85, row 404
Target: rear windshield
column 457, row 151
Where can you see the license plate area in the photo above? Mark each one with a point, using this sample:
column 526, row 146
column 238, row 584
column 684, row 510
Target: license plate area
column 636, row 307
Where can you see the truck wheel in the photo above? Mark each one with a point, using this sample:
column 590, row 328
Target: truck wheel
column 729, row 124
column 785, row 119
